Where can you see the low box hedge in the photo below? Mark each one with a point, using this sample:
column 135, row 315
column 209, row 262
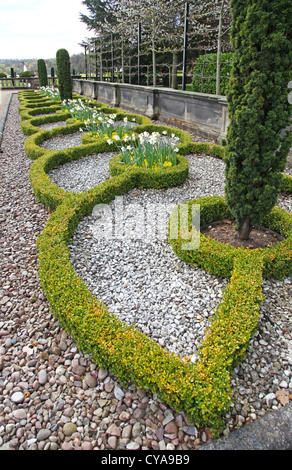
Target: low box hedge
column 30, row 126
column 46, row 191
column 218, row 258
column 201, row 390
column 148, row 178
column 29, row 113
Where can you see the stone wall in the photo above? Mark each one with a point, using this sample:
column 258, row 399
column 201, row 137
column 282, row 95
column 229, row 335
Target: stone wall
column 205, row 114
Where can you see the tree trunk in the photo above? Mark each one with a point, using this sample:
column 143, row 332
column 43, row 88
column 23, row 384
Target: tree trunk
column 219, row 51
column 174, row 69
column 245, row 229
column 154, row 63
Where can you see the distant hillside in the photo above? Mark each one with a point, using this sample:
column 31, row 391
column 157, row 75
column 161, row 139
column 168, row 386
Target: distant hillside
column 77, row 63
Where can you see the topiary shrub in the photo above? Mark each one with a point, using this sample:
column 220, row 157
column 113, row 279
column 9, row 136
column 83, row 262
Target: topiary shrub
column 42, row 72
column 64, row 75
column 3, row 75
column 204, row 73
column 53, row 75
column 256, row 150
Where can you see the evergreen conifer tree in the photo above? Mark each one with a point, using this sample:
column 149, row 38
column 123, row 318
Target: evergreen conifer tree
column 259, row 110
column 42, row 72
column 64, row 74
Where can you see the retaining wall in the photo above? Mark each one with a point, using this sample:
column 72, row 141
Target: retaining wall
column 207, row 114
column 203, row 113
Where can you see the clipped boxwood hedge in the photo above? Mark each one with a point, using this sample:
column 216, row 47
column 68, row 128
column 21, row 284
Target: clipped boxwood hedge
column 149, row 178
column 26, row 113
column 201, row 390
column 46, row 191
column 33, row 142
column 30, row 126
column 218, row 258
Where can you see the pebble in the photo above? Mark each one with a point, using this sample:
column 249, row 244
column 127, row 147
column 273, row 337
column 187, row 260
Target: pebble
column 17, row 397
column 118, row 392
column 43, row 377
column 19, row 414
column 64, row 401
column 43, row 434
column 69, row 429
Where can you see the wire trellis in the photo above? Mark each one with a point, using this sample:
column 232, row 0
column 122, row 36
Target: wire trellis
column 116, row 57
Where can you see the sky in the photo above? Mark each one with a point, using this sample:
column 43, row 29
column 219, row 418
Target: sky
column 36, row 29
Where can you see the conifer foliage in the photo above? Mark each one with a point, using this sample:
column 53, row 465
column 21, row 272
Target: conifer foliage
column 259, row 110
column 42, row 72
column 64, row 74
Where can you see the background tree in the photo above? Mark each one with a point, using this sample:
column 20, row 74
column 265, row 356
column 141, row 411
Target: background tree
column 64, row 74
column 257, row 151
column 204, row 25
column 101, row 15
column 162, row 27
column 42, row 72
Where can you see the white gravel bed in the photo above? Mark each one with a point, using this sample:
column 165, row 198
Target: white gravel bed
column 170, row 301
column 288, row 171
column 62, row 142
column 139, row 278
column 52, row 125
column 41, row 114
column 147, row 286
column 81, row 175
column 285, row 202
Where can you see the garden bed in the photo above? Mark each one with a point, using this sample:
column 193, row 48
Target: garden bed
column 201, row 389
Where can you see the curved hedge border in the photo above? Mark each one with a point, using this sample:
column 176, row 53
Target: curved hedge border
column 218, row 258
column 166, row 177
column 202, row 390
column 46, row 191
column 45, row 160
column 30, row 126
column 187, row 146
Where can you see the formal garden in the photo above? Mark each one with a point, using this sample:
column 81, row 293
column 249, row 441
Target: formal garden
column 159, row 248
column 149, row 156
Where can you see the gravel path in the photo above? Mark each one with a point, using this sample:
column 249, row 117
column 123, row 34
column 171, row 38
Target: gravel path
column 51, row 395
